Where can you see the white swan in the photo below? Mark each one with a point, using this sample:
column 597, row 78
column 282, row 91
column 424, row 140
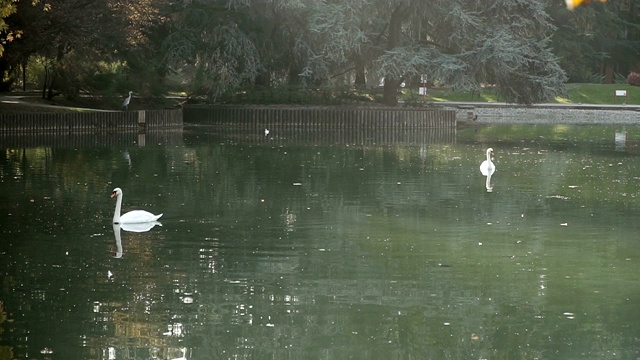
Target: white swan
column 132, row 217
column 487, row 168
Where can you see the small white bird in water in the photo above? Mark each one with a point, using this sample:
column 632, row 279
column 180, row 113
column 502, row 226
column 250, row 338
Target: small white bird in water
column 266, row 132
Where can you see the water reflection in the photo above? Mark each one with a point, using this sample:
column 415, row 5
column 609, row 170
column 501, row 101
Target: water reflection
column 116, row 233
column 137, row 228
column 620, row 139
column 140, row 227
column 93, row 140
column 278, row 249
column 488, row 185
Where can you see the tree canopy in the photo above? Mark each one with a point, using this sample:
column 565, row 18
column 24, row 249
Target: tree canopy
column 527, row 50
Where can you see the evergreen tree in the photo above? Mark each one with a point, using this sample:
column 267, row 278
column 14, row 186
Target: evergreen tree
column 462, row 43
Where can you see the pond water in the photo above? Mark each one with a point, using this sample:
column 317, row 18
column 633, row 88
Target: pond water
column 289, row 247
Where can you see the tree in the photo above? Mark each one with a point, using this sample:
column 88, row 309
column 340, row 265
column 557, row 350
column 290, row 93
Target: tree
column 220, row 47
column 594, row 42
column 463, row 43
column 7, row 7
column 468, row 44
column 209, row 49
column 80, row 40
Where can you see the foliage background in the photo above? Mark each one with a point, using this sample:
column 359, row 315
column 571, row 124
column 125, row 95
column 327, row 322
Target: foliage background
column 235, row 50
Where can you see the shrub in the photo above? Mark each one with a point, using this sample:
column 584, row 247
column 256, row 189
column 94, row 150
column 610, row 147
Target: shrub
column 633, row 79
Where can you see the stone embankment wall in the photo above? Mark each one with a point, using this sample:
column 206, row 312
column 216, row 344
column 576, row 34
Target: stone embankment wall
column 579, row 115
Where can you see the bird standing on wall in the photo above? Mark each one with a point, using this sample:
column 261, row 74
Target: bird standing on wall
column 572, row 4
column 125, row 103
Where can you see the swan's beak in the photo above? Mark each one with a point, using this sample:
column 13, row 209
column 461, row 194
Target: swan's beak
column 113, row 194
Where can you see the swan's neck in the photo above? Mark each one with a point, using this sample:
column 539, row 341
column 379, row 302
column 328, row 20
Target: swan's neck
column 116, row 214
column 488, row 156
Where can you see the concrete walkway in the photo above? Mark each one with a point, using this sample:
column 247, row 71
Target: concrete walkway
column 18, row 100
column 470, row 104
column 545, row 114
column 480, row 112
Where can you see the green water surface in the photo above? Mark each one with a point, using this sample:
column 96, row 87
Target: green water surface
column 274, row 248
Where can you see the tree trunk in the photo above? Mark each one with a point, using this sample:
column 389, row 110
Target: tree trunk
column 390, row 92
column 361, row 80
column 391, row 84
column 608, row 74
column 50, row 90
column 24, row 75
column 5, row 72
column 47, row 90
column 45, row 81
column 263, row 79
column 294, row 75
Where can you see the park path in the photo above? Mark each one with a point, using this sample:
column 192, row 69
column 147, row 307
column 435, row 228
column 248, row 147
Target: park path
column 541, row 106
column 18, row 100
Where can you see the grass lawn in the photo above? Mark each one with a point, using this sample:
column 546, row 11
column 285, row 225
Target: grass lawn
column 600, row 94
column 32, row 102
column 575, row 94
